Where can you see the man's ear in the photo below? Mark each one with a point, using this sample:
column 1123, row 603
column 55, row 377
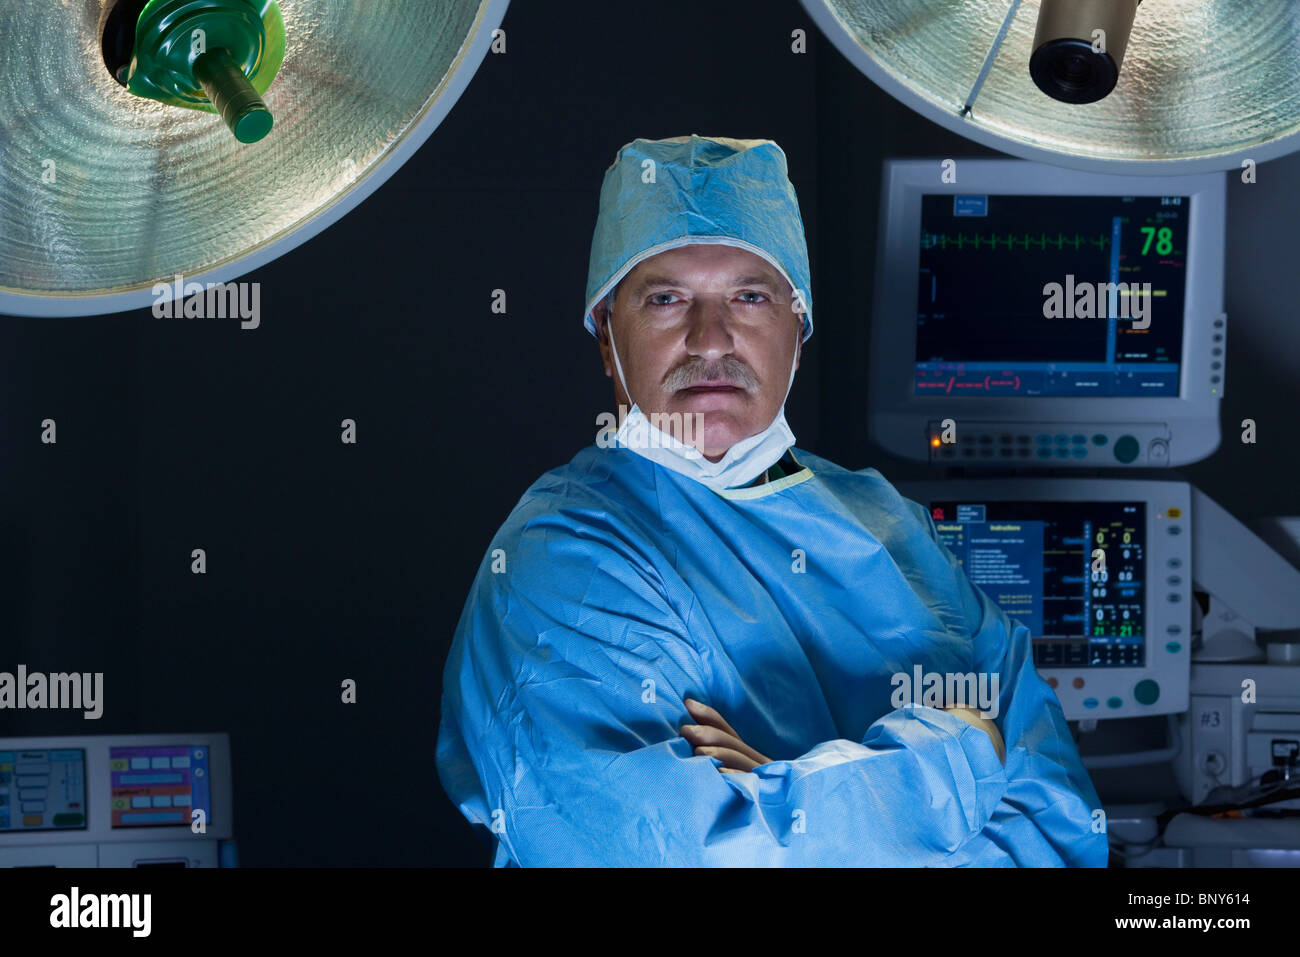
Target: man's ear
column 600, row 315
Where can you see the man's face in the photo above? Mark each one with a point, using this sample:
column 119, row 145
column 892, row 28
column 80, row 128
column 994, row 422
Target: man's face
column 706, row 329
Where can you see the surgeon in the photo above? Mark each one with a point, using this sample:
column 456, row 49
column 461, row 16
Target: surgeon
column 697, row 644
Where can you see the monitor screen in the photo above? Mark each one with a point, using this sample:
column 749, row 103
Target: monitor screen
column 42, row 790
column 158, row 785
column 1033, row 295
column 1036, row 561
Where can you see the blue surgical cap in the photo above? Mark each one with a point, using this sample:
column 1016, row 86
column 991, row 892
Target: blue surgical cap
column 661, row 194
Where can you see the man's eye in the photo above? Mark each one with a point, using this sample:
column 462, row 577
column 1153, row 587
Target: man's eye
column 667, row 295
column 759, row 295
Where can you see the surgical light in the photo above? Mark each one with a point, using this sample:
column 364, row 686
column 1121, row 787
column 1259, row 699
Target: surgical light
column 1194, row 86
column 115, row 174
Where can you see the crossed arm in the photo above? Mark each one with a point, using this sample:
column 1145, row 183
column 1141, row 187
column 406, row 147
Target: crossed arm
column 713, row 737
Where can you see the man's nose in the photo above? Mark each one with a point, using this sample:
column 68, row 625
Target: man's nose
column 709, row 334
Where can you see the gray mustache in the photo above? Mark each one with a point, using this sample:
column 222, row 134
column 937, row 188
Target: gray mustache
column 728, row 369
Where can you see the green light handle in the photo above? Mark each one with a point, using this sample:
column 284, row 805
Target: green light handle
column 233, row 96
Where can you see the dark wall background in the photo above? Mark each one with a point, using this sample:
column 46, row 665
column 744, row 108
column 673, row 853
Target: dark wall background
column 328, row 561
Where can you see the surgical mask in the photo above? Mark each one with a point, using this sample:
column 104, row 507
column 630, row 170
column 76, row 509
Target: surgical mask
column 745, row 461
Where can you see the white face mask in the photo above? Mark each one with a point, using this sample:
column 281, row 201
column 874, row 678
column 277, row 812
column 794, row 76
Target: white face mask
column 745, row 461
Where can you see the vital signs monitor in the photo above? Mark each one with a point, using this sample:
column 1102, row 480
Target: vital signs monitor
column 145, row 800
column 1033, row 316
column 1100, row 572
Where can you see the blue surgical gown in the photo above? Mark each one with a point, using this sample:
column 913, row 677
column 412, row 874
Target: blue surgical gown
column 617, row 588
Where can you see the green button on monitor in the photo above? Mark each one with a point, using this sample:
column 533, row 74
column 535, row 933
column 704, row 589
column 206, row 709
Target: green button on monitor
column 1146, row 691
column 1126, row 449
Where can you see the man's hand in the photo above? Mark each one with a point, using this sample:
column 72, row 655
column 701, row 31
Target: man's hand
column 971, row 716
column 714, row 738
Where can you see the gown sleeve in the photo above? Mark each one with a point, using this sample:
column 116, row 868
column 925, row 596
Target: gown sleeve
column 562, row 703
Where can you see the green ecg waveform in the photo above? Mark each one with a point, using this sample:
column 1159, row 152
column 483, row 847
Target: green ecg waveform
column 1010, row 241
